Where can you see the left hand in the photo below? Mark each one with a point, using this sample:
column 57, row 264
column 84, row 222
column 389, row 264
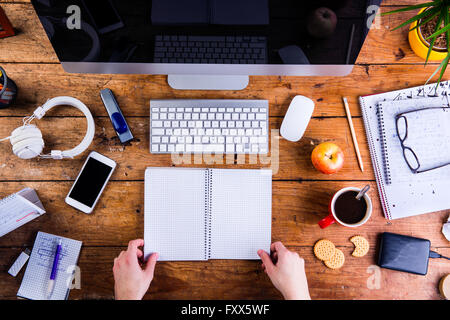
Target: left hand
column 131, row 281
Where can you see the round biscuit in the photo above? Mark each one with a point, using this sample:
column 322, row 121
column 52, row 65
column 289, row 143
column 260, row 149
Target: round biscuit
column 361, row 246
column 336, row 261
column 444, row 286
column 324, row 249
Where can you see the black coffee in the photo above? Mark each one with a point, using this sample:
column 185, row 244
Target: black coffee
column 348, row 209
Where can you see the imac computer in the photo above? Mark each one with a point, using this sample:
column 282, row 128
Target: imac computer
column 207, row 44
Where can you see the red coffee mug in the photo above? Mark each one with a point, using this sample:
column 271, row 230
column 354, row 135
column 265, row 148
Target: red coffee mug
column 332, row 218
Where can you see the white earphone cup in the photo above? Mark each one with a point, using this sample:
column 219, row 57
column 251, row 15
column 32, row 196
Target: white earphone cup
column 27, row 142
column 25, row 132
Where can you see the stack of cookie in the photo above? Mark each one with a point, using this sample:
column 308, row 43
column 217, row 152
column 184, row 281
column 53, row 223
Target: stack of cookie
column 326, row 251
column 332, row 257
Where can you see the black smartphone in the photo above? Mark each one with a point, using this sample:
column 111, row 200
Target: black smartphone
column 104, row 15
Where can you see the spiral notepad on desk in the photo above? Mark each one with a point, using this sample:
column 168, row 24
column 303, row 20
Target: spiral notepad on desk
column 403, row 193
column 201, row 214
column 18, row 209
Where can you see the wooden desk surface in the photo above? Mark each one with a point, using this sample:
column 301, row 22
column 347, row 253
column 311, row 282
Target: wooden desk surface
column 300, row 193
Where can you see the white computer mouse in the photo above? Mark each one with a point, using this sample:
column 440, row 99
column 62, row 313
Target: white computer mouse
column 297, row 118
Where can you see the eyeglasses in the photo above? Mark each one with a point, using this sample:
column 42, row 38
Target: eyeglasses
column 401, row 124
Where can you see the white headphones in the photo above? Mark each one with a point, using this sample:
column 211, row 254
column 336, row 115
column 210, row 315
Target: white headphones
column 27, row 141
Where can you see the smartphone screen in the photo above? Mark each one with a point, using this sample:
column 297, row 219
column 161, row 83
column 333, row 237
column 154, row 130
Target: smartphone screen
column 90, row 182
column 102, row 12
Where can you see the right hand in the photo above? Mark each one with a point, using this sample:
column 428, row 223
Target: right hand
column 131, row 280
column 286, row 271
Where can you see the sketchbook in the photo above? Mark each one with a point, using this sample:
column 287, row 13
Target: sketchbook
column 35, row 281
column 18, row 209
column 402, row 194
column 201, row 214
column 428, row 135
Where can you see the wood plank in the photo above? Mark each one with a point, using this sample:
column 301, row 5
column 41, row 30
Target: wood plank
column 293, row 161
column 37, row 83
column 32, row 45
column 221, row 279
column 384, row 46
column 297, row 208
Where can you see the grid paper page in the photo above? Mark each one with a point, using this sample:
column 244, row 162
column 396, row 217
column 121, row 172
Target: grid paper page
column 241, row 216
column 35, row 281
column 175, row 213
column 428, row 136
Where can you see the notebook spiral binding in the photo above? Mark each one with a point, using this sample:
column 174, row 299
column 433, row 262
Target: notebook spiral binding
column 8, row 198
column 373, row 156
column 208, row 209
column 387, row 169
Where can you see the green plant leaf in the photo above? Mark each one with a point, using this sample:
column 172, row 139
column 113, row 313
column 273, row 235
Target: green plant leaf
column 443, row 64
column 415, row 18
column 424, row 21
column 417, row 6
column 444, row 67
column 430, row 48
column 441, row 31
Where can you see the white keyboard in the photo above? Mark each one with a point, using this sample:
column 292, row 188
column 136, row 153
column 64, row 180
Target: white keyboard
column 209, row 126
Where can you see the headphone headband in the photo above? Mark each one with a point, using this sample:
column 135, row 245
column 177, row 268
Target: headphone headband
column 41, row 111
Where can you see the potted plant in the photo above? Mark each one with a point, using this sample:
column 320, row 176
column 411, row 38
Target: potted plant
column 429, row 32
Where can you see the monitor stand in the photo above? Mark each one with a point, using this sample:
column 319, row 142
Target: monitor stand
column 208, row 82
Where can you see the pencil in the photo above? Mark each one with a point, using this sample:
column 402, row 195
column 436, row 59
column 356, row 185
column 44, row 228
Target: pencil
column 352, row 130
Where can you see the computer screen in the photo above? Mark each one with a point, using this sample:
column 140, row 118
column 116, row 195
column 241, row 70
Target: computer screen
column 208, row 32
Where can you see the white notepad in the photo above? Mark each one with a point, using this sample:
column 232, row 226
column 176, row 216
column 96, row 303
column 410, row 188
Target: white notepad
column 407, row 198
column 35, row 281
column 201, row 214
column 18, row 209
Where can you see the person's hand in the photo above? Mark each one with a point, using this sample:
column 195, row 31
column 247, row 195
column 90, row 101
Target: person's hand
column 131, row 281
column 286, row 270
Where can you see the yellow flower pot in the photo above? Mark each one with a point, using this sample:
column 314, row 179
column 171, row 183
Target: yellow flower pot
column 420, row 46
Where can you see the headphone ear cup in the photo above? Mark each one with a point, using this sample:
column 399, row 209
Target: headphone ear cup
column 25, row 132
column 28, row 148
column 27, row 142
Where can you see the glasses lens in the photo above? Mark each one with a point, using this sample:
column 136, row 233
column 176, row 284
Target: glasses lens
column 401, row 128
column 411, row 159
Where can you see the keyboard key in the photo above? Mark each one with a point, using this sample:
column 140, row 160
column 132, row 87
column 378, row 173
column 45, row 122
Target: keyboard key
column 157, row 132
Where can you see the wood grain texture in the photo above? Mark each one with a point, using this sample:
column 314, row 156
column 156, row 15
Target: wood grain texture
column 293, row 162
column 297, row 207
column 243, row 279
column 300, row 193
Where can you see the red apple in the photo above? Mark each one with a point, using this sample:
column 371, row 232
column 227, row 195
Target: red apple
column 328, row 158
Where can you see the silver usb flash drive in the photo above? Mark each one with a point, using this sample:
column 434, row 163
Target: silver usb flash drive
column 115, row 114
column 19, row 263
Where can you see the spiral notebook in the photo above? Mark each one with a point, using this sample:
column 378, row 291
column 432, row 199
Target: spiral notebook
column 19, row 209
column 410, row 195
column 201, row 214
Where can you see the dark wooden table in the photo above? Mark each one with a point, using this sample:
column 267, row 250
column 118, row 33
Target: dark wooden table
column 300, row 193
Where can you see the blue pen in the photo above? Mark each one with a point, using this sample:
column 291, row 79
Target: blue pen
column 51, row 283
